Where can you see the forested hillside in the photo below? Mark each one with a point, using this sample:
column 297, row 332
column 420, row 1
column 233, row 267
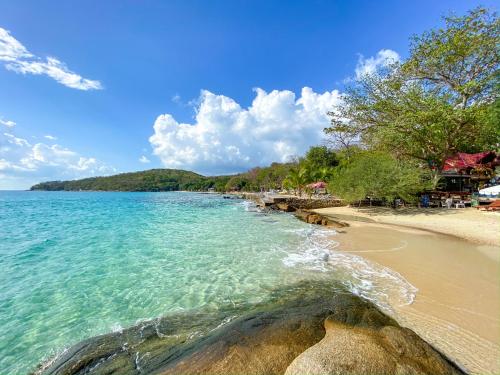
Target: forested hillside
column 151, row 180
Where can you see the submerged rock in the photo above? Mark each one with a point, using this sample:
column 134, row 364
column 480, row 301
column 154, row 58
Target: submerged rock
column 284, row 333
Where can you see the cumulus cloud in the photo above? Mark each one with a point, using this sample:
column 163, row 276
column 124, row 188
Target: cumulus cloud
column 18, row 59
column 7, row 123
column 23, row 164
column 383, row 58
column 50, row 137
column 227, row 138
column 144, row 159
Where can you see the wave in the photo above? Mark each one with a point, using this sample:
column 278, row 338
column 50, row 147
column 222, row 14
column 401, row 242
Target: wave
column 381, row 285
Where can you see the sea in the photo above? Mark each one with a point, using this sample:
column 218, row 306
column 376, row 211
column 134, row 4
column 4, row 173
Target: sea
column 74, row 265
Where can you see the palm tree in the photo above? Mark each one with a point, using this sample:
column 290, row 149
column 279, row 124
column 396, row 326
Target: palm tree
column 296, row 179
column 322, row 174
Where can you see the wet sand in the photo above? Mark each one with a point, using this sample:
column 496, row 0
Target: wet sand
column 457, row 306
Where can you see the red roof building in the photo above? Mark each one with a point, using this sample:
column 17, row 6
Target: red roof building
column 463, row 163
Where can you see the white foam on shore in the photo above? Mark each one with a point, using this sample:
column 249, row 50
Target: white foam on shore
column 367, row 279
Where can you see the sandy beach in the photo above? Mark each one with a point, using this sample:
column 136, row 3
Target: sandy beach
column 471, row 224
column 457, row 306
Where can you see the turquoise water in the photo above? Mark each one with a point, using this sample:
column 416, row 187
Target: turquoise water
column 74, row 265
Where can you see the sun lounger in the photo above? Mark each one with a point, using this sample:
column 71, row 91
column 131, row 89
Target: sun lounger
column 493, row 206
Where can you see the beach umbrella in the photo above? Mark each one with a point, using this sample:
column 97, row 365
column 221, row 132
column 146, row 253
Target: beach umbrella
column 317, row 185
column 492, row 190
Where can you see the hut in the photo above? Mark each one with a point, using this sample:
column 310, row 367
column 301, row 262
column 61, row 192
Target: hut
column 468, row 172
column 318, row 187
column 463, row 175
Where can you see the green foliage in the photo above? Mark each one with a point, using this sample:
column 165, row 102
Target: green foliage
column 172, row 179
column 377, row 175
column 435, row 104
column 460, row 60
column 297, row 179
column 320, row 157
column 151, row 180
column 260, row 178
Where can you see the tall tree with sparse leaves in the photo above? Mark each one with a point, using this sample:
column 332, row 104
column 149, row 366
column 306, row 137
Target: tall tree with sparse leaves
column 434, row 104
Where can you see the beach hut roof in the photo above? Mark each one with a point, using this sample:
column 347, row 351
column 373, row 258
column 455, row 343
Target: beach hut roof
column 462, row 161
column 317, row 185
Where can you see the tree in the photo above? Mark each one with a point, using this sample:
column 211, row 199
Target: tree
column 434, row 104
column 460, row 60
column 297, row 179
column 378, row 175
column 318, row 157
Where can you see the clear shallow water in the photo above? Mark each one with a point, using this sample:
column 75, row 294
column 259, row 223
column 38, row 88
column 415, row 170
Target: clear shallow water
column 74, row 265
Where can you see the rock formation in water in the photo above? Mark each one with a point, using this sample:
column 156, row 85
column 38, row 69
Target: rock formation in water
column 283, row 335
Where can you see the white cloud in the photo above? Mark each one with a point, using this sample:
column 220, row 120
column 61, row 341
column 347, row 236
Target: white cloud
column 383, row 58
column 50, row 137
column 7, row 123
column 227, row 138
column 144, row 159
column 18, row 59
column 23, row 164
column 12, row 139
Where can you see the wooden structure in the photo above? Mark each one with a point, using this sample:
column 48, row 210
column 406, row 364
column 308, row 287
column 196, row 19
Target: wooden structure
column 468, row 172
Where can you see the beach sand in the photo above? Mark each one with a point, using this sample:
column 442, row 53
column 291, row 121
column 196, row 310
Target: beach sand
column 457, row 306
column 471, row 224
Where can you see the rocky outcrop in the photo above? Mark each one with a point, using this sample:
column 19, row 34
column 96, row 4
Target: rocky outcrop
column 369, row 343
column 315, row 218
column 272, row 337
column 290, row 203
column 312, row 203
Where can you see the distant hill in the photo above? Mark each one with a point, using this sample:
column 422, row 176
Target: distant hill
column 151, row 180
column 255, row 179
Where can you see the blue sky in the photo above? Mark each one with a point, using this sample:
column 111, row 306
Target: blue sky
column 94, row 87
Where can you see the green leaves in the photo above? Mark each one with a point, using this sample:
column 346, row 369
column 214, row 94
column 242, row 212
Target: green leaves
column 459, row 59
column 436, row 103
column 378, row 175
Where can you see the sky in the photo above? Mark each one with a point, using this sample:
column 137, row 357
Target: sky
column 91, row 88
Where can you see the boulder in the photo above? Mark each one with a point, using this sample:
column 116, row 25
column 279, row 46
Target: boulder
column 284, row 333
column 369, row 344
column 285, row 207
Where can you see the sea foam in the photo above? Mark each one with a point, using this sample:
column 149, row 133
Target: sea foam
column 367, row 279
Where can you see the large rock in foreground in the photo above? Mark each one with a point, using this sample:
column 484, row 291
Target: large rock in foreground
column 265, row 339
column 366, row 342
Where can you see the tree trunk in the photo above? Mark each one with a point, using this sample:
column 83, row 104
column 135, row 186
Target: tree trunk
column 435, row 177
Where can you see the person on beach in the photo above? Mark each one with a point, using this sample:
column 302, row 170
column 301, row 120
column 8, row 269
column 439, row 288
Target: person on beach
column 448, row 201
column 424, row 200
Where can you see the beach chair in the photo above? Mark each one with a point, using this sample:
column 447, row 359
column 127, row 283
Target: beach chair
column 493, row 206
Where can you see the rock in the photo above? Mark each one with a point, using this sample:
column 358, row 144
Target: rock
column 263, row 339
column 369, row 343
column 315, row 218
column 302, row 215
column 284, row 333
column 285, row 207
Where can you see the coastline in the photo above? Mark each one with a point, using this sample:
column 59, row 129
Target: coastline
column 456, row 308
